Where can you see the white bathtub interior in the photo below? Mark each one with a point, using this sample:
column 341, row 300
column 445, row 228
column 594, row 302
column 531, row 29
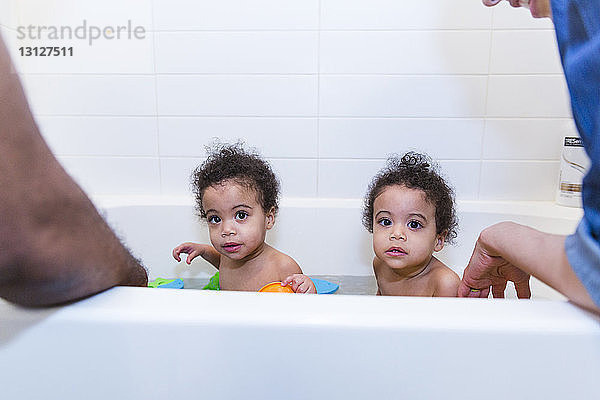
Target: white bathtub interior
column 325, row 236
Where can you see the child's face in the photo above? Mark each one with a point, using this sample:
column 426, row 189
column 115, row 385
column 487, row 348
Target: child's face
column 236, row 221
column 404, row 229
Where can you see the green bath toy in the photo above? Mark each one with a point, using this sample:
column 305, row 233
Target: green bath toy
column 213, row 283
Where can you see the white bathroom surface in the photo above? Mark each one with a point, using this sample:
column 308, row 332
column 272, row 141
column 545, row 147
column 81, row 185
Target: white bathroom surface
column 167, row 343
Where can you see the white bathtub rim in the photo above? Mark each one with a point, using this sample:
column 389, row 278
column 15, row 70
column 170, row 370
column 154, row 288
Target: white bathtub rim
column 237, row 309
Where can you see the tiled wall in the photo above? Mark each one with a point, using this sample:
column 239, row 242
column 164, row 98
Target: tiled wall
column 326, row 89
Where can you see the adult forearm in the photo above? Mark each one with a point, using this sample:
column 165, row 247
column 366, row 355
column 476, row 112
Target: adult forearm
column 539, row 254
column 54, row 246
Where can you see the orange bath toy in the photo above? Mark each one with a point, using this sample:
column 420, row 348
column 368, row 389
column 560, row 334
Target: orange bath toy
column 275, row 287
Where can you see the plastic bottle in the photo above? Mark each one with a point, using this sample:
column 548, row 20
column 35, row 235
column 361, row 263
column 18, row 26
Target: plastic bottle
column 574, row 163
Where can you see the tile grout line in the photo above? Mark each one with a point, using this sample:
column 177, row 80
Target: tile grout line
column 318, row 98
column 487, row 95
column 156, row 116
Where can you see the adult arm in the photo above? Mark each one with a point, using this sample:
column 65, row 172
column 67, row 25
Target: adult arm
column 54, row 246
column 511, row 252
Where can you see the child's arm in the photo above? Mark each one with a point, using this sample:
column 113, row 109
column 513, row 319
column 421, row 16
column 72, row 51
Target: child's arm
column 194, row 250
column 300, row 283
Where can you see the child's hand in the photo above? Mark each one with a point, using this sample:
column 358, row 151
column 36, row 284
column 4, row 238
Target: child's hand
column 193, row 250
column 300, row 283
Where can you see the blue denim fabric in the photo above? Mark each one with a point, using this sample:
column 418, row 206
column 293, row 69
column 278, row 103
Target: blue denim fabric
column 577, row 25
column 584, row 256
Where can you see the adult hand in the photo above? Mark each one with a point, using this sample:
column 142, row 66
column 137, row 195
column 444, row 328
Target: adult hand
column 488, row 269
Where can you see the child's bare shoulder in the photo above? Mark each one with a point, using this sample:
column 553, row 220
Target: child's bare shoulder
column 446, row 281
column 284, row 263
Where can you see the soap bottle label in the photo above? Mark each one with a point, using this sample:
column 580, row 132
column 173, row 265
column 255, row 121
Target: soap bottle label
column 573, row 166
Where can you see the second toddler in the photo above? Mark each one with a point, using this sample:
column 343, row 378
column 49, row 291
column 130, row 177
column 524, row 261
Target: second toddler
column 237, row 193
column 410, row 211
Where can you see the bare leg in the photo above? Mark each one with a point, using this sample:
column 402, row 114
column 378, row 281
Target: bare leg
column 54, row 246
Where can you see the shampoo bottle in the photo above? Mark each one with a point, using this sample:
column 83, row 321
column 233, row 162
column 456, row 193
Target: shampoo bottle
column 574, row 163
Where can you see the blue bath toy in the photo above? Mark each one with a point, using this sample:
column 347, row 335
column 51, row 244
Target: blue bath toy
column 163, row 283
column 322, row 286
column 325, row 287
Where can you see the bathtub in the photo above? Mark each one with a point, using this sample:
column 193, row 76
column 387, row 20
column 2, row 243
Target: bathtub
column 325, row 236
column 130, row 343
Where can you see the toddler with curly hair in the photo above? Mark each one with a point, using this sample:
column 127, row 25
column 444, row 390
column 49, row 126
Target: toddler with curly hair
column 237, row 194
column 410, row 210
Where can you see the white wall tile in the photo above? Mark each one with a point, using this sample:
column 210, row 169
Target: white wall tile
column 528, row 96
column 114, row 175
column 346, row 178
column 401, row 96
column 237, row 52
column 9, row 38
column 351, row 178
column 525, row 139
column 427, row 76
column 407, row 52
column 8, row 13
column 463, row 177
column 4, row 34
column 175, row 175
column 107, row 37
column 100, row 136
column 507, row 17
column 219, row 95
column 394, row 14
column 297, row 177
column 236, row 14
column 511, row 180
column 376, row 138
column 274, row 137
column 91, row 94
column 525, row 52
column 102, row 57
column 74, row 12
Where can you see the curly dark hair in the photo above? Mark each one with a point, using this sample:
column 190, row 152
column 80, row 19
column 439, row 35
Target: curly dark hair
column 244, row 167
column 415, row 171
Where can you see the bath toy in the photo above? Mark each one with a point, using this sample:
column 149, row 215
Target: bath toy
column 163, row 283
column 213, row 283
column 322, row 286
column 275, row 287
column 325, row 287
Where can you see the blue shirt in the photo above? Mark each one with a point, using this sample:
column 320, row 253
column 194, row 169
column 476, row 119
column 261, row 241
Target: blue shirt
column 577, row 25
